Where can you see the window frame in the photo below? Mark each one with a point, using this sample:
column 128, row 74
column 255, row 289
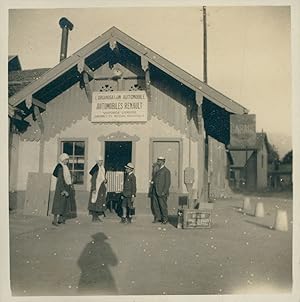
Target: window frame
column 79, row 187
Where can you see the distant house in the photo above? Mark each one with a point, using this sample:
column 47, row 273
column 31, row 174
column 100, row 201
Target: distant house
column 14, row 63
column 280, row 176
column 17, row 80
column 249, row 167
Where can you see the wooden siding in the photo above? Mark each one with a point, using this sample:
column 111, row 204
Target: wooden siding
column 262, row 167
column 72, row 105
column 69, row 107
column 217, row 169
column 68, row 115
column 170, row 105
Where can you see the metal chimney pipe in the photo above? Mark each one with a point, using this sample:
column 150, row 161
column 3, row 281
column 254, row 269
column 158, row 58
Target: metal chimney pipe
column 65, row 25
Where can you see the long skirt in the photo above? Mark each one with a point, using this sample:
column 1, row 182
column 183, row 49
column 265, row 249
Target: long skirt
column 100, row 205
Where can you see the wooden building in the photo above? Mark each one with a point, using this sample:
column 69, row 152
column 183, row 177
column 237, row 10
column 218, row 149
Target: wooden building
column 118, row 98
column 14, row 63
column 280, row 176
column 249, row 167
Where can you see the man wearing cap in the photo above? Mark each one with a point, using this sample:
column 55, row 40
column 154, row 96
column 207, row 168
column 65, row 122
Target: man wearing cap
column 161, row 184
column 128, row 194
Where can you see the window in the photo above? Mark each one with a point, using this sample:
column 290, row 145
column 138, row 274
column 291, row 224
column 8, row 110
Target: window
column 76, row 152
column 262, row 160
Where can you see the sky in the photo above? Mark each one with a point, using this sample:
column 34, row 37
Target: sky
column 249, row 49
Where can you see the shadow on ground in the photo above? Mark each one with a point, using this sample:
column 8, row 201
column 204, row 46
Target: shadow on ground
column 259, row 224
column 173, row 219
column 95, row 262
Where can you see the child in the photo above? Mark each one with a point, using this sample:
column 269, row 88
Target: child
column 128, row 194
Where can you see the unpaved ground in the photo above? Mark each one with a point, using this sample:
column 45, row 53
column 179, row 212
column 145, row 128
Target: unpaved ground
column 240, row 254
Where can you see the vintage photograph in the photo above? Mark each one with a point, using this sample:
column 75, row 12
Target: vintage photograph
column 150, row 151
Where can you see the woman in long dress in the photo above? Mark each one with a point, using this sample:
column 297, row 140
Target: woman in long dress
column 63, row 190
column 97, row 200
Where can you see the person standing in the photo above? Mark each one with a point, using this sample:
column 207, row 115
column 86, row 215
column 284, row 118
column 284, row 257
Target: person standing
column 97, row 200
column 155, row 168
column 128, row 194
column 63, row 190
column 161, row 185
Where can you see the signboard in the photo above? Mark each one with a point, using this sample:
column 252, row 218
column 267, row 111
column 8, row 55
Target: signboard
column 242, row 130
column 119, row 106
column 196, row 219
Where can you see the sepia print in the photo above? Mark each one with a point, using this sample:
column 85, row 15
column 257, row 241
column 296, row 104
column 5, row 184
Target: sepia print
column 150, row 151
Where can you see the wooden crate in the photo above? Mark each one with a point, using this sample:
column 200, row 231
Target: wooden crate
column 196, row 218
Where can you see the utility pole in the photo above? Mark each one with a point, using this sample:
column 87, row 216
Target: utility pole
column 205, row 141
column 204, row 46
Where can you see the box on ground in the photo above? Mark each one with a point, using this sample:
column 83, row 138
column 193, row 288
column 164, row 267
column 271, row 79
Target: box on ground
column 195, row 218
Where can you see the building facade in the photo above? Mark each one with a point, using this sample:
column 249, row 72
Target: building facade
column 118, row 98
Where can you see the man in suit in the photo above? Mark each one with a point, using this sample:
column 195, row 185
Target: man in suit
column 128, row 194
column 161, row 185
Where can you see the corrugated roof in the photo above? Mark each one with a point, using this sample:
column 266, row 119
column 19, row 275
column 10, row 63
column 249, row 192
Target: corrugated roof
column 114, row 34
column 19, row 79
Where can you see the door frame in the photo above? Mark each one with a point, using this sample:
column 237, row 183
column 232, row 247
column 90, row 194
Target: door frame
column 119, row 141
column 167, row 139
column 119, row 137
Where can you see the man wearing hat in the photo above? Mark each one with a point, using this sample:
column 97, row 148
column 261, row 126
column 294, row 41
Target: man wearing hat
column 128, row 194
column 161, row 185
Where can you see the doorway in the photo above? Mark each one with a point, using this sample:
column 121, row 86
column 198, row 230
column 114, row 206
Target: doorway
column 117, row 155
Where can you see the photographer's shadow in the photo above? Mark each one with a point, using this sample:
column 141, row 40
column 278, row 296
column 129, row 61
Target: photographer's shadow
column 95, row 262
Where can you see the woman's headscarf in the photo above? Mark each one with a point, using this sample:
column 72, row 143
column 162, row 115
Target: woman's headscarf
column 99, row 158
column 101, row 174
column 66, row 171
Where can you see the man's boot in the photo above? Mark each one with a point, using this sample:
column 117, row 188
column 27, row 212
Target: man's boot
column 61, row 219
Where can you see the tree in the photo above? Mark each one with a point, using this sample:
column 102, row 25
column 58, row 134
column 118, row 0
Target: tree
column 288, row 158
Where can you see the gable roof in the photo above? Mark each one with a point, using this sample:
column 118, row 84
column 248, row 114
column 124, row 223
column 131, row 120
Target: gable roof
column 117, row 36
column 261, row 138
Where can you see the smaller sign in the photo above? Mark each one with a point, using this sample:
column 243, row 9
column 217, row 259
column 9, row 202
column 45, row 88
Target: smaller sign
column 119, row 106
column 243, row 131
column 196, row 219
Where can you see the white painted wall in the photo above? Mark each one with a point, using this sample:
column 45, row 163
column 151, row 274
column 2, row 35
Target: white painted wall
column 155, row 128
column 28, row 161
